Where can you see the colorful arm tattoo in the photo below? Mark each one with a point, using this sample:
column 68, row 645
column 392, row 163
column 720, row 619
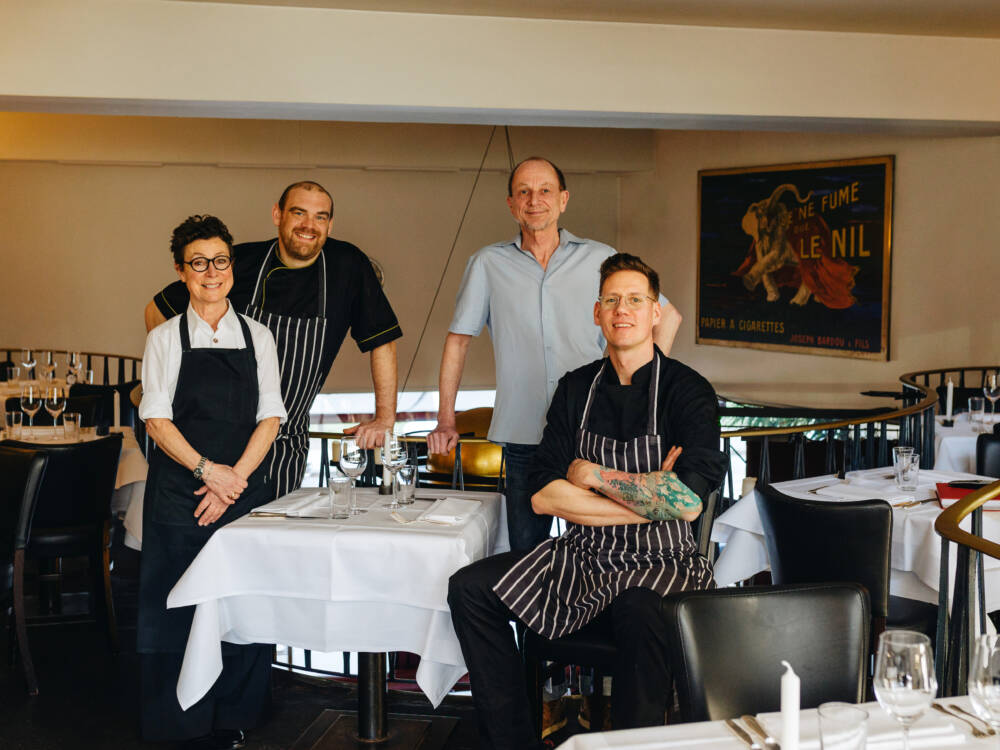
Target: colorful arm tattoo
column 658, row 495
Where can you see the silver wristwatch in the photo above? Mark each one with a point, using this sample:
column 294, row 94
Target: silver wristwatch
column 200, row 468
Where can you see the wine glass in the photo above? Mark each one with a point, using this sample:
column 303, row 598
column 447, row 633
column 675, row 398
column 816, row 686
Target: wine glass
column 991, row 389
column 48, row 365
column 904, row 677
column 393, row 458
column 55, row 403
column 31, row 402
column 406, row 477
column 74, row 364
column 984, row 680
column 27, row 362
column 353, row 462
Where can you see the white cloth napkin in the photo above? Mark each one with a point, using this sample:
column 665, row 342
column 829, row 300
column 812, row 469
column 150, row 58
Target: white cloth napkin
column 450, row 511
column 932, row 730
column 845, row 491
column 299, row 504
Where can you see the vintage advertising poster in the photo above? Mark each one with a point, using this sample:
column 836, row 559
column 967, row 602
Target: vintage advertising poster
column 795, row 257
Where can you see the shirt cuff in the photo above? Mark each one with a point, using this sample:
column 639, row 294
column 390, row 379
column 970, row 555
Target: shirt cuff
column 382, row 337
column 155, row 406
column 270, row 405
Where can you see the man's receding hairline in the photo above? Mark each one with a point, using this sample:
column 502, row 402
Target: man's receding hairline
column 537, row 160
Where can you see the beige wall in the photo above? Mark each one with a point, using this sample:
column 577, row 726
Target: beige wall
column 945, row 260
column 89, row 204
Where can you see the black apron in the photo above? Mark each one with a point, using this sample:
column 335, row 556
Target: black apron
column 564, row 583
column 299, row 342
column 215, row 409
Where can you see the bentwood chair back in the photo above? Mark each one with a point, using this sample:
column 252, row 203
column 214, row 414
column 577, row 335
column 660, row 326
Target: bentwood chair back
column 73, row 516
column 22, row 470
column 988, row 455
column 726, row 646
column 85, row 406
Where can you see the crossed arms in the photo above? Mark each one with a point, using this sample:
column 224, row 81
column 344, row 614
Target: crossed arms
column 594, row 495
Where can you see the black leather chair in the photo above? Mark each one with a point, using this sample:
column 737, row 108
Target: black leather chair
column 726, row 646
column 22, row 470
column 812, row 541
column 85, row 406
column 585, row 647
column 988, row 454
column 73, row 517
column 104, row 416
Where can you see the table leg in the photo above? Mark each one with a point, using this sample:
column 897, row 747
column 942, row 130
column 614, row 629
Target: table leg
column 371, row 697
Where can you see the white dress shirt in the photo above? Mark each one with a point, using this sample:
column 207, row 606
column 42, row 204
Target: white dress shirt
column 161, row 362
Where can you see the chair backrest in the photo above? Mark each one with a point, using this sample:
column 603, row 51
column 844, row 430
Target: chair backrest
column 105, row 415
column 22, row 470
column 726, row 646
column 85, row 406
column 78, row 483
column 812, row 541
column 988, row 455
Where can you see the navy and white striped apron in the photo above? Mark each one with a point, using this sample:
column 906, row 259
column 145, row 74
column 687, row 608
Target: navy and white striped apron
column 564, row 583
column 299, row 342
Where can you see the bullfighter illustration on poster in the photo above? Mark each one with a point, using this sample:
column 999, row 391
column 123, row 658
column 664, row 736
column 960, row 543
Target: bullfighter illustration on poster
column 795, row 257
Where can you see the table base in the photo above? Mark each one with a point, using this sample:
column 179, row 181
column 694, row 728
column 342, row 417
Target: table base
column 338, row 730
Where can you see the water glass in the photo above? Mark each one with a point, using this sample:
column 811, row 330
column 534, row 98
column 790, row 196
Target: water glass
column 906, row 467
column 353, row 462
column 14, row 375
column 977, row 413
column 71, row 425
column 13, row 421
column 406, row 478
column 842, row 726
column 984, row 680
column 339, row 486
column 904, row 679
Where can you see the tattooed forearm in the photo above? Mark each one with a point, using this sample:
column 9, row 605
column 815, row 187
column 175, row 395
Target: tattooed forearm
column 658, row 495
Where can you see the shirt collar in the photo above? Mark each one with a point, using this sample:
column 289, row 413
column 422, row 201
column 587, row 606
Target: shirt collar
column 565, row 238
column 227, row 324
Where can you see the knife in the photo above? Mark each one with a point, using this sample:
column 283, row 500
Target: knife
column 912, row 503
column 755, row 726
column 742, row 735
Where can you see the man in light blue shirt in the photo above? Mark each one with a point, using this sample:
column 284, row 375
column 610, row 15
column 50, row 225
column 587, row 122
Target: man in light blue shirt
column 536, row 294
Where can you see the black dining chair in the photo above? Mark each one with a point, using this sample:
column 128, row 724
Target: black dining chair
column 104, row 416
column 988, row 455
column 726, row 646
column 85, row 406
column 812, row 541
column 73, row 519
column 586, row 647
column 23, row 471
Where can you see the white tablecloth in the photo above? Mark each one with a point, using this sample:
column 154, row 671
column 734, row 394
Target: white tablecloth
column 933, row 730
column 367, row 583
column 955, row 447
column 916, row 547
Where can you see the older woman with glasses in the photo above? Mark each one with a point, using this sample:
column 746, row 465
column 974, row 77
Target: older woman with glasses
column 212, row 404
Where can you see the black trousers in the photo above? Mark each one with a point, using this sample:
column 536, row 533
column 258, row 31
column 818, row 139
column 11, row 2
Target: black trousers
column 237, row 700
column 642, row 680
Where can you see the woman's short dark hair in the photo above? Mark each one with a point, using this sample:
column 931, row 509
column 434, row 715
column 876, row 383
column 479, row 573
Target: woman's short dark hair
column 625, row 262
column 198, row 227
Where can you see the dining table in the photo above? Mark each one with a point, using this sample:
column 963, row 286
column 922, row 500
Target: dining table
column 370, row 583
column 915, row 558
column 955, row 444
column 932, row 731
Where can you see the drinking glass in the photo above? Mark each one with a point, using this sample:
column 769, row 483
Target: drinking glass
column 977, row 405
column 907, row 469
column 14, row 375
column 13, row 420
column 991, row 389
column 904, row 677
column 984, row 680
column 31, row 402
column 55, row 403
column 339, row 485
column 353, row 462
column 842, row 726
column 74, row 364
column 48, row 366
column 27, row 362
column 71, row 425
column 393, row 458
column 406, row 478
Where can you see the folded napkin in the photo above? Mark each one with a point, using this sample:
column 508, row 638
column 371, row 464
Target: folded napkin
column 932, row 730
column 298, row 504
column 450, row 511
column 845, row 491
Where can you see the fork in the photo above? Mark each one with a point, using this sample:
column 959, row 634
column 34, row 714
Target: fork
column 976, row 731
column 958, row 709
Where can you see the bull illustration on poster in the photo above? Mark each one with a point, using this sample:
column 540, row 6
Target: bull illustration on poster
column 796, row 257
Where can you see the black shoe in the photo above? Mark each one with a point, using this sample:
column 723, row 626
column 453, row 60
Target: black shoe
column 229, row 739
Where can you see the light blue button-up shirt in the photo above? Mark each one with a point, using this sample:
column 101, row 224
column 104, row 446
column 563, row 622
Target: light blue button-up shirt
column 541, row 323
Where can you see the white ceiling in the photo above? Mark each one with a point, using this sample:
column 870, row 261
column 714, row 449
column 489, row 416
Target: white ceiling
column 963, row 18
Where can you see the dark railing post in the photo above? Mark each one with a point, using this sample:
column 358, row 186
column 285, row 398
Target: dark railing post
column 942, row 640
column 324, row 462
column 928, row 450
column 764, row 469
column 870, row 445
column 831, row 452
column 883, row 444
column 799, row 461
column 727, row 448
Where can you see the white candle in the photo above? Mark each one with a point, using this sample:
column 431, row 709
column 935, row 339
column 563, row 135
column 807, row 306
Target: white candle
column 789, row 708
column 950, row 399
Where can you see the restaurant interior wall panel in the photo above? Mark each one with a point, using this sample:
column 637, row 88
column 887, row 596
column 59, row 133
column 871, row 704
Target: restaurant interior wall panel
column 85, row 225
column 944, row 256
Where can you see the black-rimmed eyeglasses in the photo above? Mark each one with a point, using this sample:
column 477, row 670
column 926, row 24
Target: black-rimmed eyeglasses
column 200, row 264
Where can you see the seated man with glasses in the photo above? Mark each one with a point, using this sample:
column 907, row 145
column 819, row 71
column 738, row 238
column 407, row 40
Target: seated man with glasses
column 630, row 448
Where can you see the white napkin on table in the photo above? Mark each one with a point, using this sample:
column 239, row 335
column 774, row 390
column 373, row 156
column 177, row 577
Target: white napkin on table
column 932, row 730
column 450, row 511
column 845, row 491
column 298, row 504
